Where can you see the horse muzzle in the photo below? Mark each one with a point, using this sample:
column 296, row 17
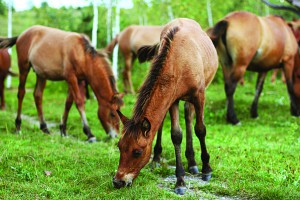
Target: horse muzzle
column 120, row 183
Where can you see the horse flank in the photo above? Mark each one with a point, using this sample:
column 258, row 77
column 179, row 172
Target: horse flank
column 148, row 86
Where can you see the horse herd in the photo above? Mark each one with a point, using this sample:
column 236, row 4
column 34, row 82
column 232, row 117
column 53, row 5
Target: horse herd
column 184, row 59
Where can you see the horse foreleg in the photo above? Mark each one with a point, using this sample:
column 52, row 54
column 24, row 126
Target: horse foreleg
column 68, row 105
column 74, row 89
column 229, row 90
column 38, row 99
column 2, row 92
column 259, row 87
column 288, row 72
column 158, row 147
column 189, row 151
column 21, row 93
column 176, row 136
column 200, row 131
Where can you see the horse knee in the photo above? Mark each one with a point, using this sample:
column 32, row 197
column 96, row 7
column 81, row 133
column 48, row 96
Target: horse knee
column 200, row 132
column 176, row 136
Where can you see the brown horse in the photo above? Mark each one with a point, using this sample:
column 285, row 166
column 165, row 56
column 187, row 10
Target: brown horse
column 181, row 69
column 59, row 55
column 5, row 63
column 130, row 40
column 245, row 41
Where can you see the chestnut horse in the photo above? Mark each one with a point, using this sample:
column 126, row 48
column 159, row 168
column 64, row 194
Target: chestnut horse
column 5, row 63
column 245, row 41
column 181, row 69
column 130, row 40
column 59, row 55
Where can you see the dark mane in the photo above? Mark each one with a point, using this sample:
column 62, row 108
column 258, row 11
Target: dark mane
column 148, row 86
column 101, row 53
column 88, row 47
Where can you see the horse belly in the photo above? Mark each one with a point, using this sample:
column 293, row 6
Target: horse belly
column 48, row 72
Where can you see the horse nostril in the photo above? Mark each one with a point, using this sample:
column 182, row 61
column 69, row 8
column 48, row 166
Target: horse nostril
column 118, row 183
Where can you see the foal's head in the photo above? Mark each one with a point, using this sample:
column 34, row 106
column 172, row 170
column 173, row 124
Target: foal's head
column 135, row 150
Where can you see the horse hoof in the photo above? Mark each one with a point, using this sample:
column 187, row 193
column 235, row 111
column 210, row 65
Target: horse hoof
column 92, row 140
column 180, row 190
column 154, row 165
column 206, row 177
column 194, row 170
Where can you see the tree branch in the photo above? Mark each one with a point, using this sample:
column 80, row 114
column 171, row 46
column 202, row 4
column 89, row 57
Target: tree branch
column 295, row 10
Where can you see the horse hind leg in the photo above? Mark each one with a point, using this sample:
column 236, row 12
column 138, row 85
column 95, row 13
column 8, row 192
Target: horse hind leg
column 259, row 87
column 200, row 131
column 176, row 136
column 2, row 92
column 23, row 70
column 288, row 72
column 128, row 87
column 38, row 98
column 189, row 152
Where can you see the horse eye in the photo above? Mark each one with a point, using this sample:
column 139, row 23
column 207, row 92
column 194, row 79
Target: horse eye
column 137, row 153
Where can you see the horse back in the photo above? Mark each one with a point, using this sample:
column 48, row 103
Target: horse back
column 193, row 59
column 134, row 37
column 49, row 48
column 257, row 41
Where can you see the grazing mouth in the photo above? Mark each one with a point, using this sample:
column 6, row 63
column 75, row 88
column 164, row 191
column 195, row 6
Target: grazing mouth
column 120, row 183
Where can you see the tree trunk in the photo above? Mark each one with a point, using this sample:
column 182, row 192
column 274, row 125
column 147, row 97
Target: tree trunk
column 9, row 34
column 95, row 24
column 116, row 30
column 209, row 13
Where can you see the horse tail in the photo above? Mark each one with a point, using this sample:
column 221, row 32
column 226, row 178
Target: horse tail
column 218, row 31
column 8, row 42
column 110, row 47
column 147, row 52
column 13, row 73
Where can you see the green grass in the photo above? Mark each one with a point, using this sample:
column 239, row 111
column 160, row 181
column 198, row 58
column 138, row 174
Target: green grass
column 257, row 160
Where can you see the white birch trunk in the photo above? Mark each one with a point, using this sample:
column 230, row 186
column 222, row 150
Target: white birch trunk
column 95, row 24
column 209, row 13
column 108, row 22
column 9, row 34
column 116, row 30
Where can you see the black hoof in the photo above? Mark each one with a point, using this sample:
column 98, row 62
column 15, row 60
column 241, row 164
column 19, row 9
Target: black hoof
column 180, row 190
column 92, row 140
column 254, row 115
column 233, row 121
column 206, row 177
column 154, row 165
column 194, row 170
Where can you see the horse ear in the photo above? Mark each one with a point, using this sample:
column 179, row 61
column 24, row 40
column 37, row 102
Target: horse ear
column 118, row 100
column 145, row 127
column 146, row 53
column 122, row 117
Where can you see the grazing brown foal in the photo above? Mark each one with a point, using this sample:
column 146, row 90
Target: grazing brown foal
column 245, row 41
column 130, row 40
column 59, row 55
column 181, row 69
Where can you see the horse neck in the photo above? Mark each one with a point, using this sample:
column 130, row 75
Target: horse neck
column 100, row 82
column 158, row 105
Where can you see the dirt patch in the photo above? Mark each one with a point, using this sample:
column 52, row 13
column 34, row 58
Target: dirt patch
column 194, row 183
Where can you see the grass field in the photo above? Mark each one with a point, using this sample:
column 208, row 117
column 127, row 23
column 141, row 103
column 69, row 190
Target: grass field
column 257, row 160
